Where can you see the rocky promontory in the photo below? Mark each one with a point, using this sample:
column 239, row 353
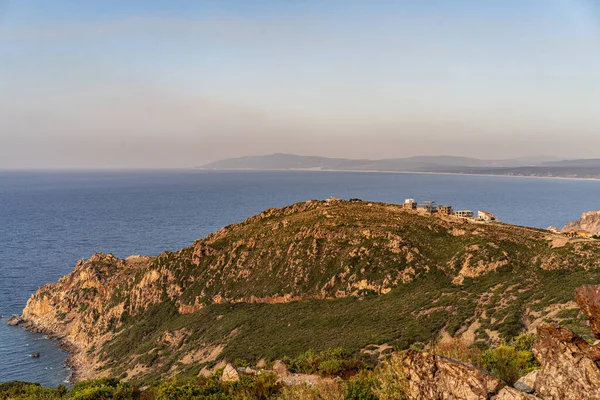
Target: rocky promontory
column 589, row 222
column 317, row 274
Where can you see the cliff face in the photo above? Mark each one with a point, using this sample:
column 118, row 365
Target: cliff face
column 315, row 274
column 589, row 222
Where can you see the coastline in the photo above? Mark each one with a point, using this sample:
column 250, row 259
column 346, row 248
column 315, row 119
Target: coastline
column 75, row 362
column 396, row 172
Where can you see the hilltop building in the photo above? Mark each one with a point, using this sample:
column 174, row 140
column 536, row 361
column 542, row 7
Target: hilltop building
column 428, row 206
column 578, row 233
column 445, row 210
column 464, row 213
column 410, row 204
column 486, row 216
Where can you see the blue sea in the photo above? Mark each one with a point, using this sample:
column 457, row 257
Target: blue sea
column 49, row 220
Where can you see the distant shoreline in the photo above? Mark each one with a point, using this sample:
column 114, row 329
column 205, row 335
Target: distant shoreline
column 397, row 172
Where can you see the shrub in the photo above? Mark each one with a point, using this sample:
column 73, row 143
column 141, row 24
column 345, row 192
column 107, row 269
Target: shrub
column 456, row 349
column 360, row 388
column 324, row 390
column 101, row 389
column 391, row 379
column 25, row 390
column 507, row 363
column 331, row 362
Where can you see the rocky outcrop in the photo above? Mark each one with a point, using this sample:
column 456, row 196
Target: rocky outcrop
column 588, row 300
column 569, row 365
column 508, row 393
column 15, row 320
column 431, row 376
column 589, row 222
column 527, row 383
column 230, row 374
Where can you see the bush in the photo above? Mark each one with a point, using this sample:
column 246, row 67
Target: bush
column 26, row 390
column 391, row 379
column 332, row 362
column 524, row 341
column 507, row 363
column 361, row 388
column 101, row 389
column 456, row 349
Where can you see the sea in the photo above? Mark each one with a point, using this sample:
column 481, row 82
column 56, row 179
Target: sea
column 49, row 220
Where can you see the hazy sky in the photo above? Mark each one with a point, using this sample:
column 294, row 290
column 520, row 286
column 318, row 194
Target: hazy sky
column 179, row 83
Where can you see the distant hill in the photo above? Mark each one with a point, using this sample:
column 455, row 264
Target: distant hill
column 526, row 166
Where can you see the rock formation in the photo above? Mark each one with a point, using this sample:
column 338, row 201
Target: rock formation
column 588, row 300
column 569, row 368
column 527, row 383
column 15, row 320
column 230, row 374
column 431, row 376
column 589, row 222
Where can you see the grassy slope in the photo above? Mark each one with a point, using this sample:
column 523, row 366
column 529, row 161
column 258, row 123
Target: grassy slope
column 414, row 312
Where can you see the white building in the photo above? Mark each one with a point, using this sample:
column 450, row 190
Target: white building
column 486, row 216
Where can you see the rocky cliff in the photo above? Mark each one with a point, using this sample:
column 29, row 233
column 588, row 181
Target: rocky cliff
column 315, row 274
column 569, row 367
column 589, row 222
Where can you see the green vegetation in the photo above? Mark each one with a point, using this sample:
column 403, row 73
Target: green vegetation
column 508, row 362
column 378, row 380
column 322, row 275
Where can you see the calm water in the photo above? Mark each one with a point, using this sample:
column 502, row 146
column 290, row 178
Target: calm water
column 50, row 220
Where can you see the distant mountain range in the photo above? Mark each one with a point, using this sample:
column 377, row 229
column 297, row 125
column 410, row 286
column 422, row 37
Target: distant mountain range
column 525, row 166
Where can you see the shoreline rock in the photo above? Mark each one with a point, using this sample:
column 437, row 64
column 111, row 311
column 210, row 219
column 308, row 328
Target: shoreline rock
column 15, row 320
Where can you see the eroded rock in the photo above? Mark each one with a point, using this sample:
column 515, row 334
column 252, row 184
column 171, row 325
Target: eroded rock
column 431, row 376
column 588, row 299
column 527, row 383
column 280, row 368
column 230, row 374
column 15, row 320
column 569, row 368
column 508, row 393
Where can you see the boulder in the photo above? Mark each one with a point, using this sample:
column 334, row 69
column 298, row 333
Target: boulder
column 432, row 376
column 15, row 320
column 569, row 369
column 508, row 393
column 280, row 368
column 588, row 299
column 527, row 383
column 230, row 374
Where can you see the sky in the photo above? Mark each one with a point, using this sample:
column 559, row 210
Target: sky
column 171, row 84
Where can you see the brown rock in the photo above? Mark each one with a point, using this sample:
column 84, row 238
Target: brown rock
column 569, row 365
column 15, row 320
column 230, row 374
column 280, row 368
column 527, row 383
column 431, row 376
column 508, row 393
column 588, row 299
column 589, row 221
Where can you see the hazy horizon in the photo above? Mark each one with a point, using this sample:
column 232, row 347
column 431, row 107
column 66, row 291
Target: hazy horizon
column 151, row 84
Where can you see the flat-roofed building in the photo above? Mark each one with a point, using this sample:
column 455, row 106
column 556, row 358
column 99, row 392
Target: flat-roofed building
column 428, row 206
column 464, row 213
column 410, row 204
column 444, row 210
